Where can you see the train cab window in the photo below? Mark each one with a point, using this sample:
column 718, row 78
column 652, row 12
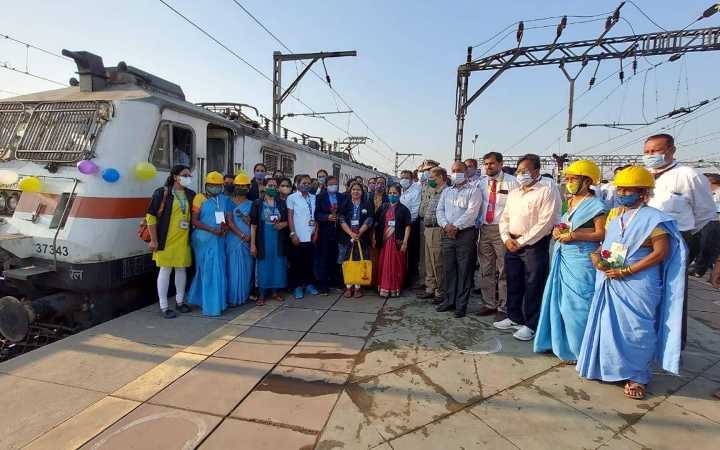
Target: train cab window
column 160, row 156
column 176, row 137
column 182, row 146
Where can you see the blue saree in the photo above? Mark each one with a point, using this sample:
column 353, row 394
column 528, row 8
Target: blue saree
column 636, row 320
column 209, row 286
column 569, row 288
column 239, row 259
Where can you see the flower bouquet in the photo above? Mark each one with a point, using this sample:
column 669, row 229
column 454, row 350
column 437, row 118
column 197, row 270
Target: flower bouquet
column 610, row 260
column 562, row 228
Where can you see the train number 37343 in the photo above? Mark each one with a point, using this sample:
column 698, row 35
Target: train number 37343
column 49, row 249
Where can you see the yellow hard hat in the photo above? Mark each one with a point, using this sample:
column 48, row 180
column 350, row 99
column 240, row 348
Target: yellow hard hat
column 242, row 179
column 634, row 176
column 585, row 168
column 214, row 178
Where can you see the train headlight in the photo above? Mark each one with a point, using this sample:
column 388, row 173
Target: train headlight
column 12, row 202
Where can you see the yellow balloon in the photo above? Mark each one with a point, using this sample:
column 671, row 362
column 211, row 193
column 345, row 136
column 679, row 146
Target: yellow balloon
column 145, row 171
column 8, row 177
column 30, row 184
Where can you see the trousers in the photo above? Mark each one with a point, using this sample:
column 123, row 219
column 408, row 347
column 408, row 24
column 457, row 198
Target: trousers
column 433, row 262
column 693, row 244
column 493, row 280
column 302, row 263
column 527, row 271
column 458, row 259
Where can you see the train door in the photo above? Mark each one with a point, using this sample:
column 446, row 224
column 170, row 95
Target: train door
column 219, row 150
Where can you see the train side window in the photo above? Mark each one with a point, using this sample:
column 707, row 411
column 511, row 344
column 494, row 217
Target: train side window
column 182, row 140
column 160, row 153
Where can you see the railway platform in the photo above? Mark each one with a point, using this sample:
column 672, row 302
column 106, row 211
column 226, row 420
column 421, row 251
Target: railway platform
column 336, row 373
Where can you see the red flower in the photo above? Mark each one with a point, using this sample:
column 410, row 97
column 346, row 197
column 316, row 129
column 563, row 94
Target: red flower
column 562, row 226
column 606, row 254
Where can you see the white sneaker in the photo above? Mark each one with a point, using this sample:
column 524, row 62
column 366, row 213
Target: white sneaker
column 506, row 324
column 524, row 334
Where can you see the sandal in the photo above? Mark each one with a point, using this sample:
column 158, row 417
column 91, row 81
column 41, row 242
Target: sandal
column 635, row 391
column 260, row 302
column 348, row 293
column 278, row 297
column 358, row 293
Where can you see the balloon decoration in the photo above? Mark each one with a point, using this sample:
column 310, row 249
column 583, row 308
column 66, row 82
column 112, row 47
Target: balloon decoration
column 30, row 184
column 8, row 177
column 87, row 167
column 110, row 175
column 145, row 171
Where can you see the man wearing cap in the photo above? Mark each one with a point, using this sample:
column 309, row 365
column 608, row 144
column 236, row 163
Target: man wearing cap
column 425, row 196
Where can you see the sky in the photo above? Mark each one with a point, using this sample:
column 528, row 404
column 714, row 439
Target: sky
column 402, row 83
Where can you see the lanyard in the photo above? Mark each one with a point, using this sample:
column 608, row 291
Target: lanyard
column 575, row 207
column 216, row 199
column 356, row 211
column 624, row 225
column 275, row 211
column 182, row 200
column 309, row 204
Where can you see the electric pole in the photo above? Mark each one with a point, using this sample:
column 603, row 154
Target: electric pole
column 278, row 95
column 399, row 163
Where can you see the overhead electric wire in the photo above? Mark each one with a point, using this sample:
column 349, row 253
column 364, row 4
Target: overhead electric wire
column 57, row 55
column 646, row 16
column 7, row 67
column 324, row 80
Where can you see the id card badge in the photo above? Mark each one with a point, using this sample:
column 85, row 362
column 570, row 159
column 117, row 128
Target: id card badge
column 274, row 218
column 391, row 223
column 354, row 223
column 618, row 252
column 219, row 217
column 184, row 225
column 311, row 223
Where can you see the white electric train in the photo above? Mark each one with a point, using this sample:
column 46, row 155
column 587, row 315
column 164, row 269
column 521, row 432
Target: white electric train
column 70, row 251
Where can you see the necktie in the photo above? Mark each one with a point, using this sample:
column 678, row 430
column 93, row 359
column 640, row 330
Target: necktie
column 490, row 214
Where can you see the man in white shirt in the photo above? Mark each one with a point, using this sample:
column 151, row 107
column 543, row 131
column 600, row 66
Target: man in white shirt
column 457, row 209
column 681, row 192
column 410, row 197
column 491, row 250
column 303, row 234
column 529, row 216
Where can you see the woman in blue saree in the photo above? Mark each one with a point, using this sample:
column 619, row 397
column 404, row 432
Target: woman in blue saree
column 239, row 260
column 571, row 284
column 209, row 287
column 636, row 315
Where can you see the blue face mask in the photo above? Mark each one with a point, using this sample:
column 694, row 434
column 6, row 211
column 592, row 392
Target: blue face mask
column 628, row 200
column 393, row 198
column 654, row 161
column 332, row 188
column 214, row 190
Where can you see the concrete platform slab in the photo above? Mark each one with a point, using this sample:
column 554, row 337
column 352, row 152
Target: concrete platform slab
column 462, row 429
column 217, row 339
column 239, row 434
column 250, row 314
column 266, row 345
column 294, row 319
column 349, row 427
column 301, row 398
column 152, row 427
column 320, row 302
column 325, row 352
column 531, row 420
column 695, row 395
column 345, row 323
column 98, row 363
column 30, row 408
column 367, row 304
column 81, row 428
column 214, row 386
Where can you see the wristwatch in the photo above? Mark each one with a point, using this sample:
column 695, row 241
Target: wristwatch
column 292, row 233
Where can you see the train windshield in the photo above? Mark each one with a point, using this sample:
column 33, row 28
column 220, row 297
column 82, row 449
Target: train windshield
column 63, row 132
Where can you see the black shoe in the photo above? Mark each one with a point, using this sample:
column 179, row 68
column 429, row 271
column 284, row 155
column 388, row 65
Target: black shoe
column 459, row 314
column 169, row 314
column 183, row 308
column 444, row 308
column 485, row 311
column 436, row 301
column 424, row 295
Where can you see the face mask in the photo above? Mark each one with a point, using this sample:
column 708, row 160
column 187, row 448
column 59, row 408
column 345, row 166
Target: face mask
column 271, row 191
column 393, row 198
column 229, row 188
column 654, row 161
column 304, row 188
column 457, row 178
column 424, row 176
column 241, row 191
column 405, row 183
column 380, row 187
column 321, row 180
column 525, row 179
column 214, row 190
column 432, row 184
column 285, row 190
column 628, row 200
column 259, row 176
column 471, row 172
column 186, row 182
column 573, row 187
column 371, row 187
column 332, row 189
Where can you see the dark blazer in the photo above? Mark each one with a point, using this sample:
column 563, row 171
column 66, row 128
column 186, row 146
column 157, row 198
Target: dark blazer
column 326, row 228
column 256, row 219
column 254, row 192
column 345, row 212
column 402, row 219
column 163, row 222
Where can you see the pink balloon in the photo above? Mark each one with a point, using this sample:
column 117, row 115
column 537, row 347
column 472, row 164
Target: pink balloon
column 87, row 167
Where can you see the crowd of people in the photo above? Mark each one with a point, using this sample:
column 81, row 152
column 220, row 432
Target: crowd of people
column 594, row 271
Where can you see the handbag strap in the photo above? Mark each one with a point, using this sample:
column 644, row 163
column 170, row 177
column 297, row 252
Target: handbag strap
column 357, row 243
column 161, row 209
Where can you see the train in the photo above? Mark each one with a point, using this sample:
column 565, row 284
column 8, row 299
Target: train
column 69, row 251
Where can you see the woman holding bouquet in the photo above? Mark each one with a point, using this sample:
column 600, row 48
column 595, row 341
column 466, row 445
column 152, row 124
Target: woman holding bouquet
column 636, row 314
column 571, row 284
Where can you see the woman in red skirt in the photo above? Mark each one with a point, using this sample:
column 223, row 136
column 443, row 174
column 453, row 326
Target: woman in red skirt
column 392, row 232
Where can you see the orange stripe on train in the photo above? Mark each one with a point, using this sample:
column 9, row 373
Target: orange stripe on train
column 86, row 207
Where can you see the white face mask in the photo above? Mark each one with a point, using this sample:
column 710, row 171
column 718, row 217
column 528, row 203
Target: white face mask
column 186, row 182
column 525, row 179
column 457, row 178
column 424, row 176
column 405, row 183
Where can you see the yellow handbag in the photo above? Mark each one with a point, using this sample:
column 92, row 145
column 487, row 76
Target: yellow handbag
column 357, row 272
